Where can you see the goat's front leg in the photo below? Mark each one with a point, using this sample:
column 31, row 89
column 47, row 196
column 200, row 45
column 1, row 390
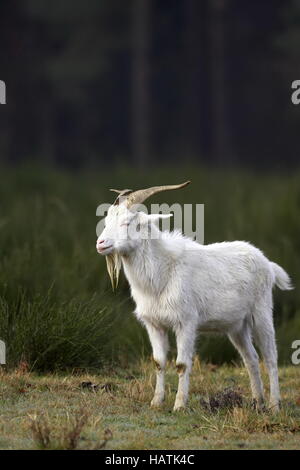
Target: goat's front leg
column 159, row 342
column 185, row 337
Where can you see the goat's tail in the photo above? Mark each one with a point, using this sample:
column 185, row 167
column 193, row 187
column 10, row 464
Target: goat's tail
column 281, row 278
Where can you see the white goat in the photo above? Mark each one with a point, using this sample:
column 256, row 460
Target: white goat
column 177, row 283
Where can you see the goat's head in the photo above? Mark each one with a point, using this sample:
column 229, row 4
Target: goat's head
column 125, row 226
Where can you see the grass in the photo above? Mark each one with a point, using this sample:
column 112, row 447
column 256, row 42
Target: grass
column 56, row 306
column 64, row 327
column 55, row 411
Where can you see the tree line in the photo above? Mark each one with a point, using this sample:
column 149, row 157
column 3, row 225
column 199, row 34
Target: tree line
column 139, row 81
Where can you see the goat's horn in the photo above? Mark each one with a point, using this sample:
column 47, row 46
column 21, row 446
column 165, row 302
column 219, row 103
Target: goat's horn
column 121, row 193
column 138, row 197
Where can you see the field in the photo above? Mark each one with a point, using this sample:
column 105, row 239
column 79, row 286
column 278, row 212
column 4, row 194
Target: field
column 58, row 412
column 63, row 325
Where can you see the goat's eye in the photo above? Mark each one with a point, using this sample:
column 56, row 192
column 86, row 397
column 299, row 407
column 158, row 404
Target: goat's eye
column 125, row 224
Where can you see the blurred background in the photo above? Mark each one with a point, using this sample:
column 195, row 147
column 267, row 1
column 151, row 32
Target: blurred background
column 138, row 81
column 111, row 93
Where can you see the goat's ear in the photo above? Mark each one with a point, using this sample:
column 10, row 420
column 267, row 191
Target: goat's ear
column 157, row 217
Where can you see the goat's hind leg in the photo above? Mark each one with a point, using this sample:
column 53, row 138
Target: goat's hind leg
column 264, row 336
column 159, row 342
column 242, row 340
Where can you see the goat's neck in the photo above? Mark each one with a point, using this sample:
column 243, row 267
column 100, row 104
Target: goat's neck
column 149, row 266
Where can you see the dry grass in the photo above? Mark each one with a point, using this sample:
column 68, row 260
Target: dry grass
column 62, row 412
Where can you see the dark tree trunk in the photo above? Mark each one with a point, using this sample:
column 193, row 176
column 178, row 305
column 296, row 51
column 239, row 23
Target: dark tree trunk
column 190, row 114
column 140, row 82
column 221, row 139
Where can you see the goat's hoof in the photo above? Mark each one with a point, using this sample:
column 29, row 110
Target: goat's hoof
column 179, row 407
column 258, row 405
column 274, row 407
column 156, row 403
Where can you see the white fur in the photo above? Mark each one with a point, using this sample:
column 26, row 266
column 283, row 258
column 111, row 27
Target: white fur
column 179, row 284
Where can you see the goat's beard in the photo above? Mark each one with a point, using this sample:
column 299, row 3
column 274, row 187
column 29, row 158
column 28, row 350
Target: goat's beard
column 113, row 263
